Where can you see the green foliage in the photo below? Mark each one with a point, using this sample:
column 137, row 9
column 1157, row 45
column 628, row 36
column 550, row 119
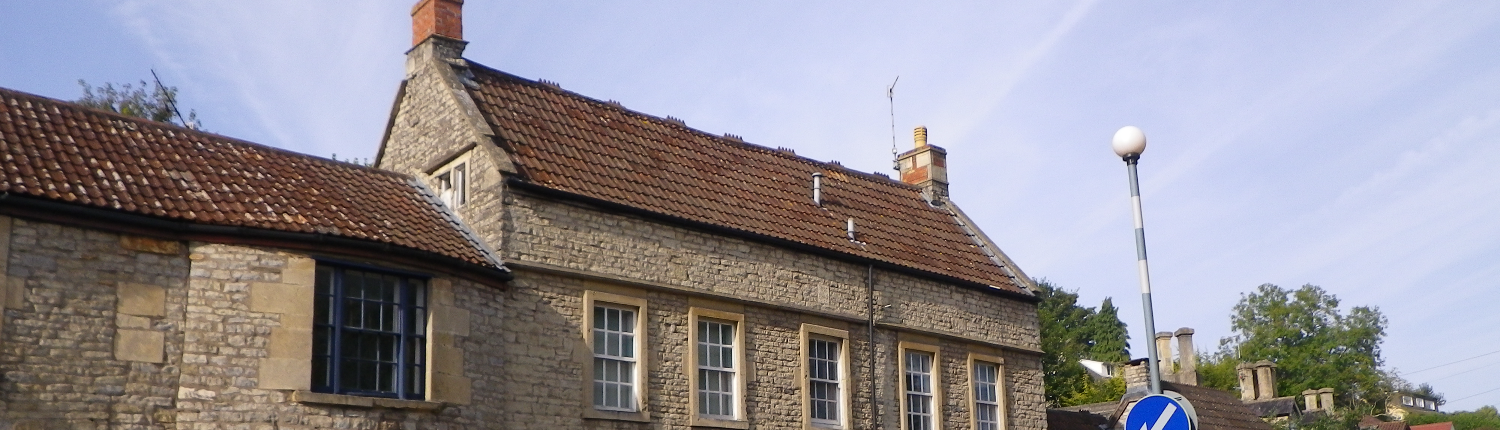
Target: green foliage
column 1311, row 342
column 1104, row 390
column 1071, row 332
column 138, row 101
column 1218, row 371
column 1484, row 418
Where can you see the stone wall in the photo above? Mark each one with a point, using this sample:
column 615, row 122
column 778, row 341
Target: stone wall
column 122, row 332
column 562, row 249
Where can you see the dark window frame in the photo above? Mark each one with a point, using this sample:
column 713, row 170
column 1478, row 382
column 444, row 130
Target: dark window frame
column 399, row 335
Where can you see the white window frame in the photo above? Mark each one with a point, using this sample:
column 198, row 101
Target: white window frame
column 453, row 181
column 736, row 419
column 591, row 300
column 809, row 333
column 936, row 372
column 976, row 360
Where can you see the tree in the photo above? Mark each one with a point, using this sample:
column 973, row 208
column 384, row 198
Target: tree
column 1311, row 342
column 1071, row 332
column 1484, row 418
column 155, row 104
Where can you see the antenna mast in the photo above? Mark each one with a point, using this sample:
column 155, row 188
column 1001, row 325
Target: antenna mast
column 890, row 94
column 173, row 103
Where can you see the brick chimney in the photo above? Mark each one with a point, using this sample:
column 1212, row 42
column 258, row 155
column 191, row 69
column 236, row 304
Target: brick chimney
column 926, row 167
column 437, row 18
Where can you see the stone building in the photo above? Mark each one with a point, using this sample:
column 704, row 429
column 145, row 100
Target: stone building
column 162, row 278
column 667, row 277
column 654, row 276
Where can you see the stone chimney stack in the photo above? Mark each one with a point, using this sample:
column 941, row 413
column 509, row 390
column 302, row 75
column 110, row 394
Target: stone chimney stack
column 1310, row 400
column 1265, row 380
column 1247, row 381
column 1164, row 352
column 1187, row 357
column 926, row 167
column 437, row 18
column 1325, row 398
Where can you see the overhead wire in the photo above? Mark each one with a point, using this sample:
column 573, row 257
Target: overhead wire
column 1455, row 362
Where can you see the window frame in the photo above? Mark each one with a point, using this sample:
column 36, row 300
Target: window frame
column 690, row 366
column 591, row 299
column 1001, row 412
column 809, row 332
column 414, row 321
column 444, row 178
column 937, row 386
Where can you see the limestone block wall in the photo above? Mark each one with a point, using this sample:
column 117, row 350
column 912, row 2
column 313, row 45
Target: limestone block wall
column 91, row 325
column 562, row 249
column 103, row 330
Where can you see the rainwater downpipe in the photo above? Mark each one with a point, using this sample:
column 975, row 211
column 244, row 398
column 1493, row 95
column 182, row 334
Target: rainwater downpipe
column 870, row 358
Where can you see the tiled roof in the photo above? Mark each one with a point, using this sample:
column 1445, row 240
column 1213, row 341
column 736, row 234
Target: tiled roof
column 1372, row 423
column 1276, row 407
column 1218, row 409
column 570, row 143
column 66, row 153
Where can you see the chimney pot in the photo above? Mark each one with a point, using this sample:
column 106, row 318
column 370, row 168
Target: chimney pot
column 1164, row 351
column 1247, row 381
column 1265, row 378
column 1310, row 399
column 1187, row 357
column 437, row 17
column 920, row 135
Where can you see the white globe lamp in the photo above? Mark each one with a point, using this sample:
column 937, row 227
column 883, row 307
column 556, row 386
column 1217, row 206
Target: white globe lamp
column 1130, row 140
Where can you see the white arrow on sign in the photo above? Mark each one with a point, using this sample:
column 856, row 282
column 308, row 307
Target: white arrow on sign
column 1166, row 415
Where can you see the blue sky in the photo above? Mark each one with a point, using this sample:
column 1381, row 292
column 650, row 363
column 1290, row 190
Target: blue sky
column 1350, row 145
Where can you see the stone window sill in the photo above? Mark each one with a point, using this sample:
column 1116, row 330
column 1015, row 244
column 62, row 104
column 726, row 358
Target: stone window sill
column 595, row 414
column 720, row 424
column 303, row 396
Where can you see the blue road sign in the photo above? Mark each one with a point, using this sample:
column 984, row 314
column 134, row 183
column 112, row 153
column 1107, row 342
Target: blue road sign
column 1158, row 412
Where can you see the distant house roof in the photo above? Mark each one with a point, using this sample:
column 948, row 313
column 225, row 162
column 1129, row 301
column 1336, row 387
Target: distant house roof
column 1275, row 407
column 565, row 142
column 73, row 157
column 1372, row 423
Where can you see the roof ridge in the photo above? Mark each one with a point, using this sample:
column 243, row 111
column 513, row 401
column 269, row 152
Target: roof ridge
column 547, row 85
column 180, row 129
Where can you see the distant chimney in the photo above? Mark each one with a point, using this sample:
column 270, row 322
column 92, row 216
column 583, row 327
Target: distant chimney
column 437, row 18
column 1265, row 380
column 1325, row 398
column 1187, row 357
column 1310, row 399
column 1247, row 380
column 1164, row 352
column 817, row 188
column 926, row 166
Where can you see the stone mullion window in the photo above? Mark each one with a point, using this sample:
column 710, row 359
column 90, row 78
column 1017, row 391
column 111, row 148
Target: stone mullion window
column 369, row 333
column 825, row 359
column 614, row 358
column 823, row 380
column 614, row 375
column 716, row 368
column 920, row 386
column 986, row 374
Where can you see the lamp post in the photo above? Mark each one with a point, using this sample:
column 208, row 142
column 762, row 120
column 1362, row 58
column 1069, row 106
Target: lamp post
column 1129, row 143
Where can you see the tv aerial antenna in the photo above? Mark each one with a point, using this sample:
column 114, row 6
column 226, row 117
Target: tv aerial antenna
column 171, row 101
column 890, row 95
